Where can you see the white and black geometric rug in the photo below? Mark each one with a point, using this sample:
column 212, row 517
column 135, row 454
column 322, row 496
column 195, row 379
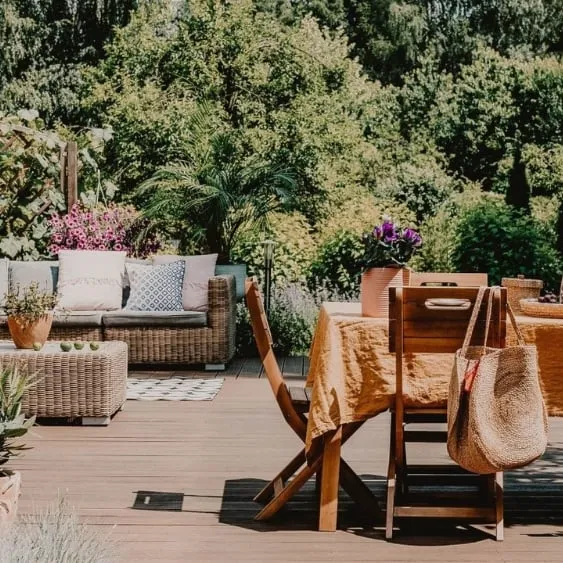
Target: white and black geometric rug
column 173, row 389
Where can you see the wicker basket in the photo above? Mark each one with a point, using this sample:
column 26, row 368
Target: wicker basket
column 533, row 308
column 521, row 288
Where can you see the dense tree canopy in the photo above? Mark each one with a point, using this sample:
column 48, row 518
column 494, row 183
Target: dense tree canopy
column 420, row 108
column 45, row 42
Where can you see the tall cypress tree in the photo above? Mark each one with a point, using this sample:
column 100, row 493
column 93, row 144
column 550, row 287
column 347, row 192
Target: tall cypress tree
column 518, row 192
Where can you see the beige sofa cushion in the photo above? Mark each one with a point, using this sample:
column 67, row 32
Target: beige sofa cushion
column 196, row 278
column 90, row 280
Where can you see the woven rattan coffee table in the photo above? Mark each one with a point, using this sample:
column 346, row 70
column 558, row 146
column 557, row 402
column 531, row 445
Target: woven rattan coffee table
column 86, row 384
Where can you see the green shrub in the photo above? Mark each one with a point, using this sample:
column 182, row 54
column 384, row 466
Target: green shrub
column 420, row 184
column 493, row 238
column 293, row 253
column 359, row 212
column 293, row 315
column 337, row 266
column 439, row 232
column 245, row 346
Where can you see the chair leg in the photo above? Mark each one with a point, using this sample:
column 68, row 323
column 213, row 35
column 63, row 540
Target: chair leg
column 289, row 490
column 268, row 491
column 499, row 505
column 405, row 474
column 318, row 481
column 331, row 479
column 391, row 480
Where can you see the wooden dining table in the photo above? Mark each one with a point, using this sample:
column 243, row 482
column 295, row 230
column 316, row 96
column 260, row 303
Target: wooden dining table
column 352, row 378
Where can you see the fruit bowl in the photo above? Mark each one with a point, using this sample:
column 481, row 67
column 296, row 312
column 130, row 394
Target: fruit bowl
column 534, row 308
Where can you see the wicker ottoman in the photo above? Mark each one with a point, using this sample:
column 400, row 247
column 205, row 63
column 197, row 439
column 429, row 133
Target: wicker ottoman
column 86, row 384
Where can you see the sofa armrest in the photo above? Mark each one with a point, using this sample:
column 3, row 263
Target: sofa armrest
column 222, row 313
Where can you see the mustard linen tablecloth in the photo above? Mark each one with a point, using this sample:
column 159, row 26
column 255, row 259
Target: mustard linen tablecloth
column 352, row 374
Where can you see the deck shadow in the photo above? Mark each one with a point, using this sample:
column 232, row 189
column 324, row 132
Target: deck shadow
column 300, row 513
column 533, row 496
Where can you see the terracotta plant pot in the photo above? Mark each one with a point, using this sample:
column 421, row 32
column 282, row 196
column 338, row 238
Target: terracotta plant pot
column 25, row 334
column 374, row 289
column 10, row 485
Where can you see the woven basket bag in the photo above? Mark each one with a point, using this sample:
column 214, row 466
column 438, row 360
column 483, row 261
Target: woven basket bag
column 496, row 415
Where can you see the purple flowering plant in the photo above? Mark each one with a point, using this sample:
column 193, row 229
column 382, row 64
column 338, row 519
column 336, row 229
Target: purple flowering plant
column 389, row 245
column 106, row 228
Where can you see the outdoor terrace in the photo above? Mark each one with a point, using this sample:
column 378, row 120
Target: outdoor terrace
column 219, row 454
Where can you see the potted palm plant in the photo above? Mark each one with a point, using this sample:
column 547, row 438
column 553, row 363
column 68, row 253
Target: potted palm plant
column 30, row 315
column 13, row 425
column 215, row 195
column 387, row 249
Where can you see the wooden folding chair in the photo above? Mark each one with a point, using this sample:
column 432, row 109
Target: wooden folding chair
column 294, row 404
column 447, row 279
column 418, row 325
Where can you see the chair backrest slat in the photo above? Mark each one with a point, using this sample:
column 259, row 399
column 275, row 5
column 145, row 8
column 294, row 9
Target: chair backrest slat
column 264, row 343
column 438, row 329
column 447, row 278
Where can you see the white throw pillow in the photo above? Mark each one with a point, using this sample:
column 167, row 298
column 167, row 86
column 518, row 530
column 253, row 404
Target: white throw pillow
column 196, row 278
column 90, row 280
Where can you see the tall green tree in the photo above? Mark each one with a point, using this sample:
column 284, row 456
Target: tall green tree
column 292, row 94
column 518, row 193
column 44, row 43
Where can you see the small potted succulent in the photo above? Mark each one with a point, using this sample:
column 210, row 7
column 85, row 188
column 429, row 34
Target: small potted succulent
column 30, row 315
column 387, row 249
column 14, row 381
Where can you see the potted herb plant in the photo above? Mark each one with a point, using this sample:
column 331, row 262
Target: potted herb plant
column 30, row 315
column 387, row 249
column 13, row 425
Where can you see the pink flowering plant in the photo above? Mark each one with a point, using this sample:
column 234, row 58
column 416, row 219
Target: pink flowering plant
column 389, row 245
column 107, row 228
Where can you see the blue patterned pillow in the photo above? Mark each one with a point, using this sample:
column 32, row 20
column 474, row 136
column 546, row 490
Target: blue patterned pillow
column 155, row 288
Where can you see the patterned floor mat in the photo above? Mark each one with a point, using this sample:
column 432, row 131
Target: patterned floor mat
column 173, row 389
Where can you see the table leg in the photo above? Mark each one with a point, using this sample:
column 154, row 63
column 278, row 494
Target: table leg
column 330, row 479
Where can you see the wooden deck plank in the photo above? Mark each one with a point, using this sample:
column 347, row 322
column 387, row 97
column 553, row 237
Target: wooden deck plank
column 252, row 368
column 305, row 366
column 219, row 454
column 293, row 366
column 233, row 369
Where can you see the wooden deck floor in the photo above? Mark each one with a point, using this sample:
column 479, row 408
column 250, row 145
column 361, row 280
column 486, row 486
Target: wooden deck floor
column 218, row 454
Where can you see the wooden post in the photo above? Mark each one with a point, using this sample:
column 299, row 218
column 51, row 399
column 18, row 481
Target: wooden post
column 71, row 174
column 62, row 162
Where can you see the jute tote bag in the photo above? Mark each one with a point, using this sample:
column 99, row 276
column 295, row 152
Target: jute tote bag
column 496, row 415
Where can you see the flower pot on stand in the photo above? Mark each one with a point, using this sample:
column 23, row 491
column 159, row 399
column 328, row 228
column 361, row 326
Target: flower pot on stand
column 374, row 289
column 10, row 485
column 25, row 333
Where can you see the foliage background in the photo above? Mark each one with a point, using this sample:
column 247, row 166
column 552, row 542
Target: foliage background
column 448, row 116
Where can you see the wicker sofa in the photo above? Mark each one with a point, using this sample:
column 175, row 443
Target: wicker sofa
column 163, row 338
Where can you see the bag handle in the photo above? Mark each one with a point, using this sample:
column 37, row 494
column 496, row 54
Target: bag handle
column 515, row 326
column 473, row 320
column 492, row 292
column 475, row 314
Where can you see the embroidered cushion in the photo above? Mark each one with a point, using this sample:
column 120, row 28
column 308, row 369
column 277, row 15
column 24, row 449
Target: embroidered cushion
column 196, row 278
column 155, row 288
column 90, row 280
